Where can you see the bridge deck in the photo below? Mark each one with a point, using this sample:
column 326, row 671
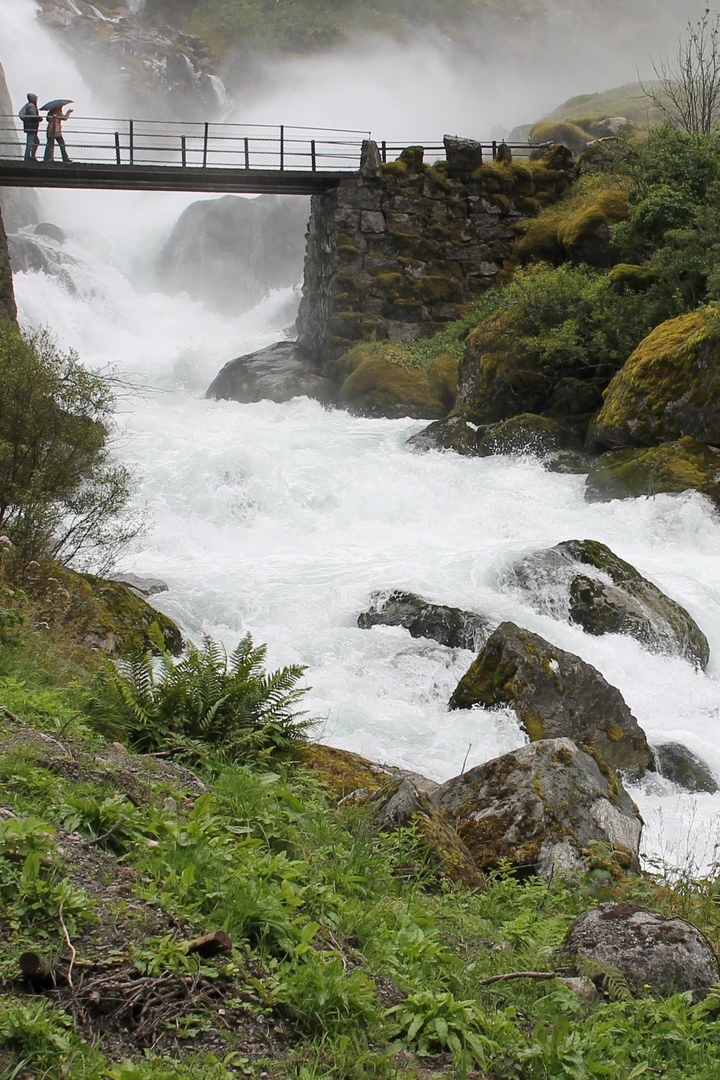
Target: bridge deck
column 18, row 173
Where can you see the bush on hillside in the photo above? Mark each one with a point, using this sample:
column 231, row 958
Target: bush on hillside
column 62, row 495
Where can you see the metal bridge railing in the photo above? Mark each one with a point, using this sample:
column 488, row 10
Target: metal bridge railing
column 95, row 141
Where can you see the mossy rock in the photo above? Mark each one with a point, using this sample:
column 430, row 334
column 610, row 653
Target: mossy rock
column 539, row 808
column 578, row 227
column 627, row 277
column 586, row 582
column 342, row 772
column 554, row 694
column 526, row 433
column 667, row 389
column 675, row 762
column 380, row 386
column 671, row 467
column 452, row 433
column 560, row 131
column 109, row 617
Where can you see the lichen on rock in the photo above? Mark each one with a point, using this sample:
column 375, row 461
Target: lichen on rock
column 555, row 694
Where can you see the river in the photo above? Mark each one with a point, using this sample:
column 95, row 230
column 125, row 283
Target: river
column 283, row 519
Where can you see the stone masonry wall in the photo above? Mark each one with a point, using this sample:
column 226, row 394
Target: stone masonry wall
column 397, row 252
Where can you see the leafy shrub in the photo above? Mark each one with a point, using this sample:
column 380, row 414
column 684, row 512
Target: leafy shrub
column 207, row 701
column 61, row 493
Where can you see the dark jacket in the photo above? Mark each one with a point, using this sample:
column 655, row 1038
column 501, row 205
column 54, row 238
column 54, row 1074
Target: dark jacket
column 30, row 116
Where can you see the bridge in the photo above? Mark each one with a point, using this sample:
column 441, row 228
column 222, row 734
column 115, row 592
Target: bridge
column 195, row 157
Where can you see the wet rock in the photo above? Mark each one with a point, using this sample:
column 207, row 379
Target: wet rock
column 569, row 462
column 36, row 254
column 539, row 808
column 677, row 763
column 554, row 694
column 46, row 228
column 8, row 309
column 585, row 582
column 526, row 433
column 449, row 626
column 230, row 252
column 278, row 373
column 654, row 954
column 452, row 433
column 667, row 389
column 672, row 467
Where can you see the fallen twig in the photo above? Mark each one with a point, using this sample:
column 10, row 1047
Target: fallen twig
column 70, row 946
column 105, row 836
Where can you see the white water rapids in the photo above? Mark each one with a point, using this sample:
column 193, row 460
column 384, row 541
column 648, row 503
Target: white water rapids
column 283, row 519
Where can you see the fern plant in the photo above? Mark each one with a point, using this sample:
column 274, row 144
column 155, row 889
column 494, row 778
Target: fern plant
column 207, row 700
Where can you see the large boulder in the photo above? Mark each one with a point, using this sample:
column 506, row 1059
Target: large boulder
column 585, row 581
column 230, row 252
column 675, row 762
column 654, row 954
column 278, row 373
column 449, row 626
column 555, row 694
column 671, row 467
column 526, row 433
column 452, row 433
column 373, row 383
column 539, row 808
column 669, row 387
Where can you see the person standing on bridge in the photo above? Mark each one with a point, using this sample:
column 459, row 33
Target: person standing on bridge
column 55, row 119
column 31, row 118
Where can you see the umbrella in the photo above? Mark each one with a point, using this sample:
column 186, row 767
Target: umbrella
column 57, row 103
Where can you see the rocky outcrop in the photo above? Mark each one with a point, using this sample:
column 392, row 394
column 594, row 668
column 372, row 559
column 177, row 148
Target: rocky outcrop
column 19, row 206
column 8, row 309
column 539, row 808
column 671, row 467
column 41, row 253
column 158, row 73
column 668, row 388
column 653, row 954
column 278, row 373
column 585, row 582
column 396, row 256
column 675, row 762
column 143, row 586
column 109, row 617
column 578, row 229
column 555, row 694
column 230, row 252
column 449, row 626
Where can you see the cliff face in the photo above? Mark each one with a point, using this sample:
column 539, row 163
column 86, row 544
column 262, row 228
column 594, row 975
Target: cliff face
column 160, row 72
column 8, row 309
column 395, row 254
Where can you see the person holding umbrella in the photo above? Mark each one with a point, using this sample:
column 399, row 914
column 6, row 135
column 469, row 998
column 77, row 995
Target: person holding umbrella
column 32, row 120
column 55, row 118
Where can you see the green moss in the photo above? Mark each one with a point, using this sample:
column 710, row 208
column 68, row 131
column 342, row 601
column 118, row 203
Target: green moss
column 561, row 131
column 683, row 465
column 377, row 386
column 577, row 227
column 631, row 277
column 109, row 616
column 673, row 374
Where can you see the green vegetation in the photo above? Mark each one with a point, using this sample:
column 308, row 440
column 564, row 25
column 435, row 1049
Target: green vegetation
column 61, row 492
column 354, row 956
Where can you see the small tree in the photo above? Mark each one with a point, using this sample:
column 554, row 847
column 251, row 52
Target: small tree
column 61, row 493
column 687, row 91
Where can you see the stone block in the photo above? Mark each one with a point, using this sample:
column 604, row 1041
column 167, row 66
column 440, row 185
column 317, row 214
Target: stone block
column 372, row 221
